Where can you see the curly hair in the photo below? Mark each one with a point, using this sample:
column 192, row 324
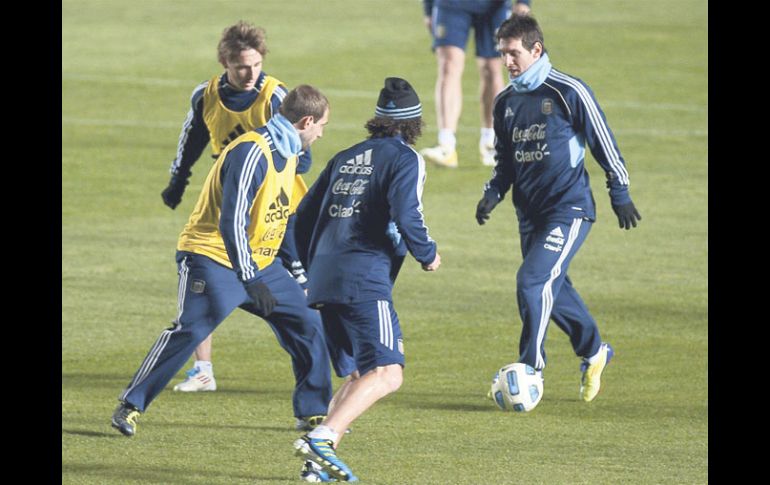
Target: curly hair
column 381, row 127
column 239, row 37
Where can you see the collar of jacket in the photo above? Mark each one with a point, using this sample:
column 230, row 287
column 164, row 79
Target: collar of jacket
column 284, row 135
column 533, row 77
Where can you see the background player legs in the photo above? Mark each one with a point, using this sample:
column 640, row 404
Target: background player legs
column 203, row 351
column 490, row 84
column 201, row 376
column 451, row 63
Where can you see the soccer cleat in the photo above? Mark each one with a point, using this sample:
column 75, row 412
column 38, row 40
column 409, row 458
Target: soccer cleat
column 197, row 380
column 322, row 452
column 440, row 156
column 487, row 151
column 590, row 383
column 124, row 419
column 313, row 473
column 308, row 423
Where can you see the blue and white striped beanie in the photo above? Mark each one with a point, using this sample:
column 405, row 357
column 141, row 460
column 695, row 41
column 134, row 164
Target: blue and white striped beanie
column 398, row 100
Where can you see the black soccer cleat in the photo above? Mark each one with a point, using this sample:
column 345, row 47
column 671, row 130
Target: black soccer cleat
column 124, row 419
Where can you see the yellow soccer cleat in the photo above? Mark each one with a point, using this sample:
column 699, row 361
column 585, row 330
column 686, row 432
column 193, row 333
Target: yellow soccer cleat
column 487, row 151
column 590, row 383
column 441, row 156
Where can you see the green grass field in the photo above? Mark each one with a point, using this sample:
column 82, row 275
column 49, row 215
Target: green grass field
column 128, row 69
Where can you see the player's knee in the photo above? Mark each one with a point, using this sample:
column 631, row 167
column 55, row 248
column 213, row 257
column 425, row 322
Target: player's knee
column 392, row 376
column 488, row 71
column 199, row 334
column 452, row 62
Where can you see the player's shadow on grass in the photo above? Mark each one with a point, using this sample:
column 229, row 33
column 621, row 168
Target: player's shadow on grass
column 187, row 425
column 166, row 424
column 254, row 390
column 87, row 380
column 129, row 473
column 91, row 434
column 439, row 401
column 81, row 380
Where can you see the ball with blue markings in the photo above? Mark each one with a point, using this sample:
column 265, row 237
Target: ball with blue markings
column 517, row 387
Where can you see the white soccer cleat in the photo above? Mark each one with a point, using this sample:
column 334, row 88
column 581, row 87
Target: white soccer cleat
column 197, row 380
column 441, row 156
column 487, row 151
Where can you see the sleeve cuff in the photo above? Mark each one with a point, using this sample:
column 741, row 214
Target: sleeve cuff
column 620, row 196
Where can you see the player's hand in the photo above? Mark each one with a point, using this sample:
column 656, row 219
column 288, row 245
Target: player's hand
column 434, row 265
column 485, row 205
column 627, row 215
column 521, row 9
column 263, row 298
column 172, row 195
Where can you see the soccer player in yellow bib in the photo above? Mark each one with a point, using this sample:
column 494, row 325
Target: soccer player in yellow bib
column 228, row 105
column 226, row 260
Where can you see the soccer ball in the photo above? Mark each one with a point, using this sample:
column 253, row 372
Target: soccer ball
column 517, row 387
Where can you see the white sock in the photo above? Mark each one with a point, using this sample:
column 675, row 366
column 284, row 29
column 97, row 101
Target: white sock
column 595, row 358
column 205, row 366
column 446, row 138
column 322, row 432
column 487, row 136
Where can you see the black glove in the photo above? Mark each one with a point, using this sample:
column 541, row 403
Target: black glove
column 172, row 195
column 627, row 215
column 264, row 301
column 485, row 205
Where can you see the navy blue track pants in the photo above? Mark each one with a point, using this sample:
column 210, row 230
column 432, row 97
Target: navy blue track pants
column 545, row 292
column 208, row 293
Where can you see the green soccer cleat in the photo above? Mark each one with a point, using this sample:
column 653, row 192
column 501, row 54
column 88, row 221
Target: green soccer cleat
column 590, row 383
column 124, row 419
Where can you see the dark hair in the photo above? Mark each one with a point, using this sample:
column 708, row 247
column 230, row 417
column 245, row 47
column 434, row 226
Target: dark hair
column 240, row 37
column 381, row 127
column 304, row 101
column 522, row 27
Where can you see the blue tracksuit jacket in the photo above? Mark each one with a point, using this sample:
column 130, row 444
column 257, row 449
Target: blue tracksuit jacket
column 342, row 224
column 540, row 143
